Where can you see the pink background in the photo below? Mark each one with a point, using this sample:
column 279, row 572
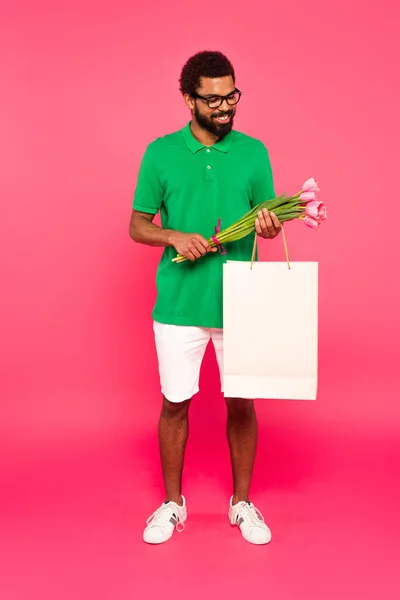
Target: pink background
column 85, row 87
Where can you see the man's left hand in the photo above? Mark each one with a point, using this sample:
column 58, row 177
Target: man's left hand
column 267, row 224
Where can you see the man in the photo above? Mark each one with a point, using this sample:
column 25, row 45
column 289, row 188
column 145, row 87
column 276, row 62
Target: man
column 196, row 177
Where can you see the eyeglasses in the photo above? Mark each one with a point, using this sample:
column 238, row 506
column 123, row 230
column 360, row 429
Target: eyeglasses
column 216, row 101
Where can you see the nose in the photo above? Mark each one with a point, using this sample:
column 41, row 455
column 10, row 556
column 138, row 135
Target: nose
column 224, row 106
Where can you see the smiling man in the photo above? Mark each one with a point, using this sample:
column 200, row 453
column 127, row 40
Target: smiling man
column 205, row 174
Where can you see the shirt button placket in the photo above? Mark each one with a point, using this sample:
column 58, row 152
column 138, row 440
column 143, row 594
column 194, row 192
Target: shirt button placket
column 209, row 177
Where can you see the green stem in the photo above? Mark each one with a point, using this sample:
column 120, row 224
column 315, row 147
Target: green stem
column 286, row 208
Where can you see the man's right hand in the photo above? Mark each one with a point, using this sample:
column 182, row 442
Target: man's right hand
column 190, row 245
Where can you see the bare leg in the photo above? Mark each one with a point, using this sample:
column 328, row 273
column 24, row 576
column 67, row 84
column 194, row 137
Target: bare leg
column 172, row 434
column 242, row 438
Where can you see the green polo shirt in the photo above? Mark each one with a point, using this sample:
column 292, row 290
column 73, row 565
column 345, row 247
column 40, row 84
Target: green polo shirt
column 194, row 186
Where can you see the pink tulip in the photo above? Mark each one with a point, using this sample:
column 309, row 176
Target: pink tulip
column 312, row 208
column 310, row 185
column 306, row 196
column 311, row 222
column 316, row 209
column 322, row 214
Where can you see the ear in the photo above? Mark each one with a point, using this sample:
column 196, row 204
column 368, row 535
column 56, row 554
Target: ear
column 189, row 101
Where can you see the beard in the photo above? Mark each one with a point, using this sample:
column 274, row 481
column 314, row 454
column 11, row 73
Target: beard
column 211, row 125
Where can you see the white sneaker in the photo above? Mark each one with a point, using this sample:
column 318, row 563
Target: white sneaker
column 250, row 522
column 161, row 524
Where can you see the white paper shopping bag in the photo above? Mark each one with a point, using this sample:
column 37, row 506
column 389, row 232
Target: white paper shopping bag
column 270, row 330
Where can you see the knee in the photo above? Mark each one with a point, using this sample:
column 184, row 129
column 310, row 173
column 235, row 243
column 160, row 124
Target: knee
column 240, row 407
column 178, row 410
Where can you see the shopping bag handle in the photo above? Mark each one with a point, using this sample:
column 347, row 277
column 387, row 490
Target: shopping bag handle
column 284, row 243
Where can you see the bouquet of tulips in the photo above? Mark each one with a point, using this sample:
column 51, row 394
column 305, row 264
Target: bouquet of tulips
column 304, row 206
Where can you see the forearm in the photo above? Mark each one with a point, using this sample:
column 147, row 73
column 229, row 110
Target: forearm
column 144, row 231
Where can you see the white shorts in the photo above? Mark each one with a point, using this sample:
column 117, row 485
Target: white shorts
column 180, row 352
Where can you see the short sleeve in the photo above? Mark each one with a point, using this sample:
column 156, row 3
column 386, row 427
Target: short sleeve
column 148, row 193
column 263, row 183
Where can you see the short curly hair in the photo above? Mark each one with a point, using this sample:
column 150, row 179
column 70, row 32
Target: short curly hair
column 204, row 64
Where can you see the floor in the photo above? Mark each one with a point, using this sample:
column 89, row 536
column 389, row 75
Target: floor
column 72, row 522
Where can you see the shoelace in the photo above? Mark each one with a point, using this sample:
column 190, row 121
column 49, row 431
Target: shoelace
column 249, row 513
column 162, row 515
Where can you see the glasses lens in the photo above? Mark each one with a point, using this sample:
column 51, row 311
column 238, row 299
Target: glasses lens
column 215, row 102
column 233, row 98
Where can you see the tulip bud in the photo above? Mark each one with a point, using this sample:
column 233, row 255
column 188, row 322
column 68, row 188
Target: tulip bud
column 312, row 208
column 311, row 222
column 310, row 185
column 306, row 196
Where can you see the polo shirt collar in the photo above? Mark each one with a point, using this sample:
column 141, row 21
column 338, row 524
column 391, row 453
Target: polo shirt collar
column 194, row 145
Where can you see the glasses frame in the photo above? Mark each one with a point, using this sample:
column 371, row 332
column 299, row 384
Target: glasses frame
column 222, row 98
